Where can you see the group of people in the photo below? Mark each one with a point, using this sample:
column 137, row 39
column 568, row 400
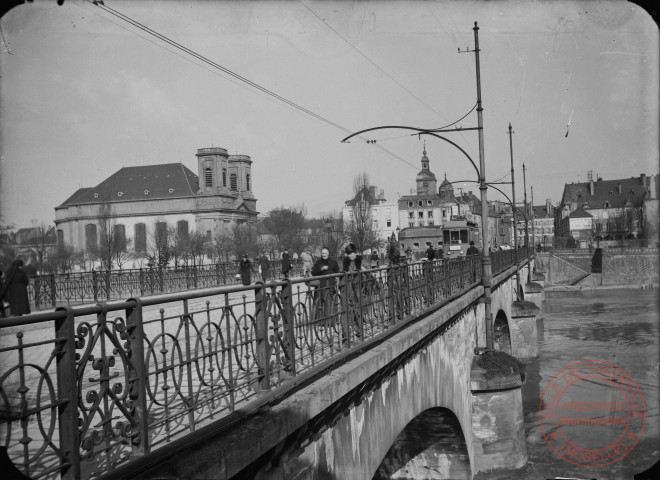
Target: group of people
column 13, row 290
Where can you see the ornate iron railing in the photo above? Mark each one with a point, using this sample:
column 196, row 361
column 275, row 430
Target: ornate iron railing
column 50, row 291
column 86, row 389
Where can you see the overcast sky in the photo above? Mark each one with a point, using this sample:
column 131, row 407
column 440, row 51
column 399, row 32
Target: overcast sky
column 84, row 93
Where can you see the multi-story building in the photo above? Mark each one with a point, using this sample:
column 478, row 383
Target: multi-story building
column 619, row 209
column 143, row 198
column 382, row 214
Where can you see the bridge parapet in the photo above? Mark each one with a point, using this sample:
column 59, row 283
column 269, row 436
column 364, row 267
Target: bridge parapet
column 121, row 383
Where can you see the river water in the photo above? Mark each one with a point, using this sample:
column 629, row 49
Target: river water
column 599, row 329
column 602, row 334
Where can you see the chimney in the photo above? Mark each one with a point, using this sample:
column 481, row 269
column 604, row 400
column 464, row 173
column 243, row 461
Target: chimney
column 642, row 177
column 591, row 187
column 382, row 193
column 372, row 190
column 619, row 188
column 548, row 206
column 652, row 187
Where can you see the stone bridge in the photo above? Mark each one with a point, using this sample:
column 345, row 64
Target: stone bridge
column 340, row 421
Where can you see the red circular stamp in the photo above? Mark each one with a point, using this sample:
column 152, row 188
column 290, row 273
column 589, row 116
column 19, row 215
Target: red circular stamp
column 592, row 413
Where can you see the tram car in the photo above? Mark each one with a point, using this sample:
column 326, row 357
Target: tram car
column 457, row 235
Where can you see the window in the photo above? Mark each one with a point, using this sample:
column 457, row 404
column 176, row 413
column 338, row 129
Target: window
column 429, row 214
column 444, row 213
column 247, row 182
column 429, row 202
column 411, row 223
column 96, row 195
column 410, row 204
column 224, row 177
column 233, row 183
column 209, row 235
column 146, row 192
column 171, row 190
column 161, row 233
column 119, row 194
column 411, row 214
column 416, row 244
column 389, row 223
column 60, row 237
column 90, row 237
column 375, row 223
column 420, row 203
column 208, row 177
column 120, row 235
column 140, row 237
column 420, row 215
column 182, row 229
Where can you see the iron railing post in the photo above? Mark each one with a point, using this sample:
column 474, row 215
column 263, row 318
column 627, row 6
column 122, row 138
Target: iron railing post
column 137, row 377
column 53, row 290
column 344, row 315
column 288, row 324
column 428, row 280
column 390, row 294
column 68, row 394
column 261, row 338
column 95, row 286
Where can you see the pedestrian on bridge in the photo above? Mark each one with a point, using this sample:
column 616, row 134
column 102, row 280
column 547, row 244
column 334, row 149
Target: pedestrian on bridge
column 264, row 267
column 245, row 268
column 324, row 293
column 286, row 263
column 307, row 263
column 14, row 289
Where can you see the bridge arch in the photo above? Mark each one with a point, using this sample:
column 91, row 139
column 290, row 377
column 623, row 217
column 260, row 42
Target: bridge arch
column 432, row 443
column 502, row 332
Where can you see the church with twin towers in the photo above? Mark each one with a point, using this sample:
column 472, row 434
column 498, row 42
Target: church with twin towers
column 141, row 199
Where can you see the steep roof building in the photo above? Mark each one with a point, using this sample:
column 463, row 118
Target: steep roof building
column 135, row 198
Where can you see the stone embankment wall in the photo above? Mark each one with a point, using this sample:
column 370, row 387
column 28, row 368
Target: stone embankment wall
column 619, row 268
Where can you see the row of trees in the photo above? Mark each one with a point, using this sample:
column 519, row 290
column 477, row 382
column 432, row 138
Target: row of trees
column 285, row 228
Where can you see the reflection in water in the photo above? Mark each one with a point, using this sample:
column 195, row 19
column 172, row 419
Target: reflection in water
column 619, row 327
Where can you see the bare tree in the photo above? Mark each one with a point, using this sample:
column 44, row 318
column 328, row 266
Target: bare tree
column 223, row 246
column 287, row 226
column 197, row 248
column 158, row 245
column 114, row 247
column 245, row 239
column 64, row 258
column 360, row 230
column 333, row 236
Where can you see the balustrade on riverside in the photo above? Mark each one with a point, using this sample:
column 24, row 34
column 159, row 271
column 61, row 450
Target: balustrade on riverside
column 77, row 288
column 86, row 389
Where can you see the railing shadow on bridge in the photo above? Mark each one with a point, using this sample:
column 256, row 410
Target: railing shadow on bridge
column 84, row 390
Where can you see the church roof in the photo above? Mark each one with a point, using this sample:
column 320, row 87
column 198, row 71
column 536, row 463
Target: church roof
column 148, row 182
column 425, row 174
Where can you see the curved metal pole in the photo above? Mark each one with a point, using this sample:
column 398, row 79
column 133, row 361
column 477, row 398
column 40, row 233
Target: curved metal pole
column 420, row 131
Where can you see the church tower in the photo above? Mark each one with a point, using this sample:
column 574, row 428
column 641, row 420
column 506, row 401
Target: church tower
column 213, row 170
column 426, row 182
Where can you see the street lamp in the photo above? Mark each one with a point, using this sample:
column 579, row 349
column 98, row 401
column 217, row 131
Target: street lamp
column 483, row 186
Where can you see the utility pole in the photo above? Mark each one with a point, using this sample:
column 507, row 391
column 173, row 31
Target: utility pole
column 486, row 278
column 531, row 189
column 485, row 258
column 515, row 215
column 526, row 210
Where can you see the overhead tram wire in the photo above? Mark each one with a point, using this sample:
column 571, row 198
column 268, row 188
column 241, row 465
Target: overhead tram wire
column 363, row 55
column 232, row 74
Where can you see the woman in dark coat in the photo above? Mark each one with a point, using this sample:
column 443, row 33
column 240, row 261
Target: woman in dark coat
column 245, row 268
column 324, row 292
column 14, row 289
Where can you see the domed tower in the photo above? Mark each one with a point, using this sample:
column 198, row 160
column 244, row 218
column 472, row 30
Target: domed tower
column 426, row 181
column 446, row 191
